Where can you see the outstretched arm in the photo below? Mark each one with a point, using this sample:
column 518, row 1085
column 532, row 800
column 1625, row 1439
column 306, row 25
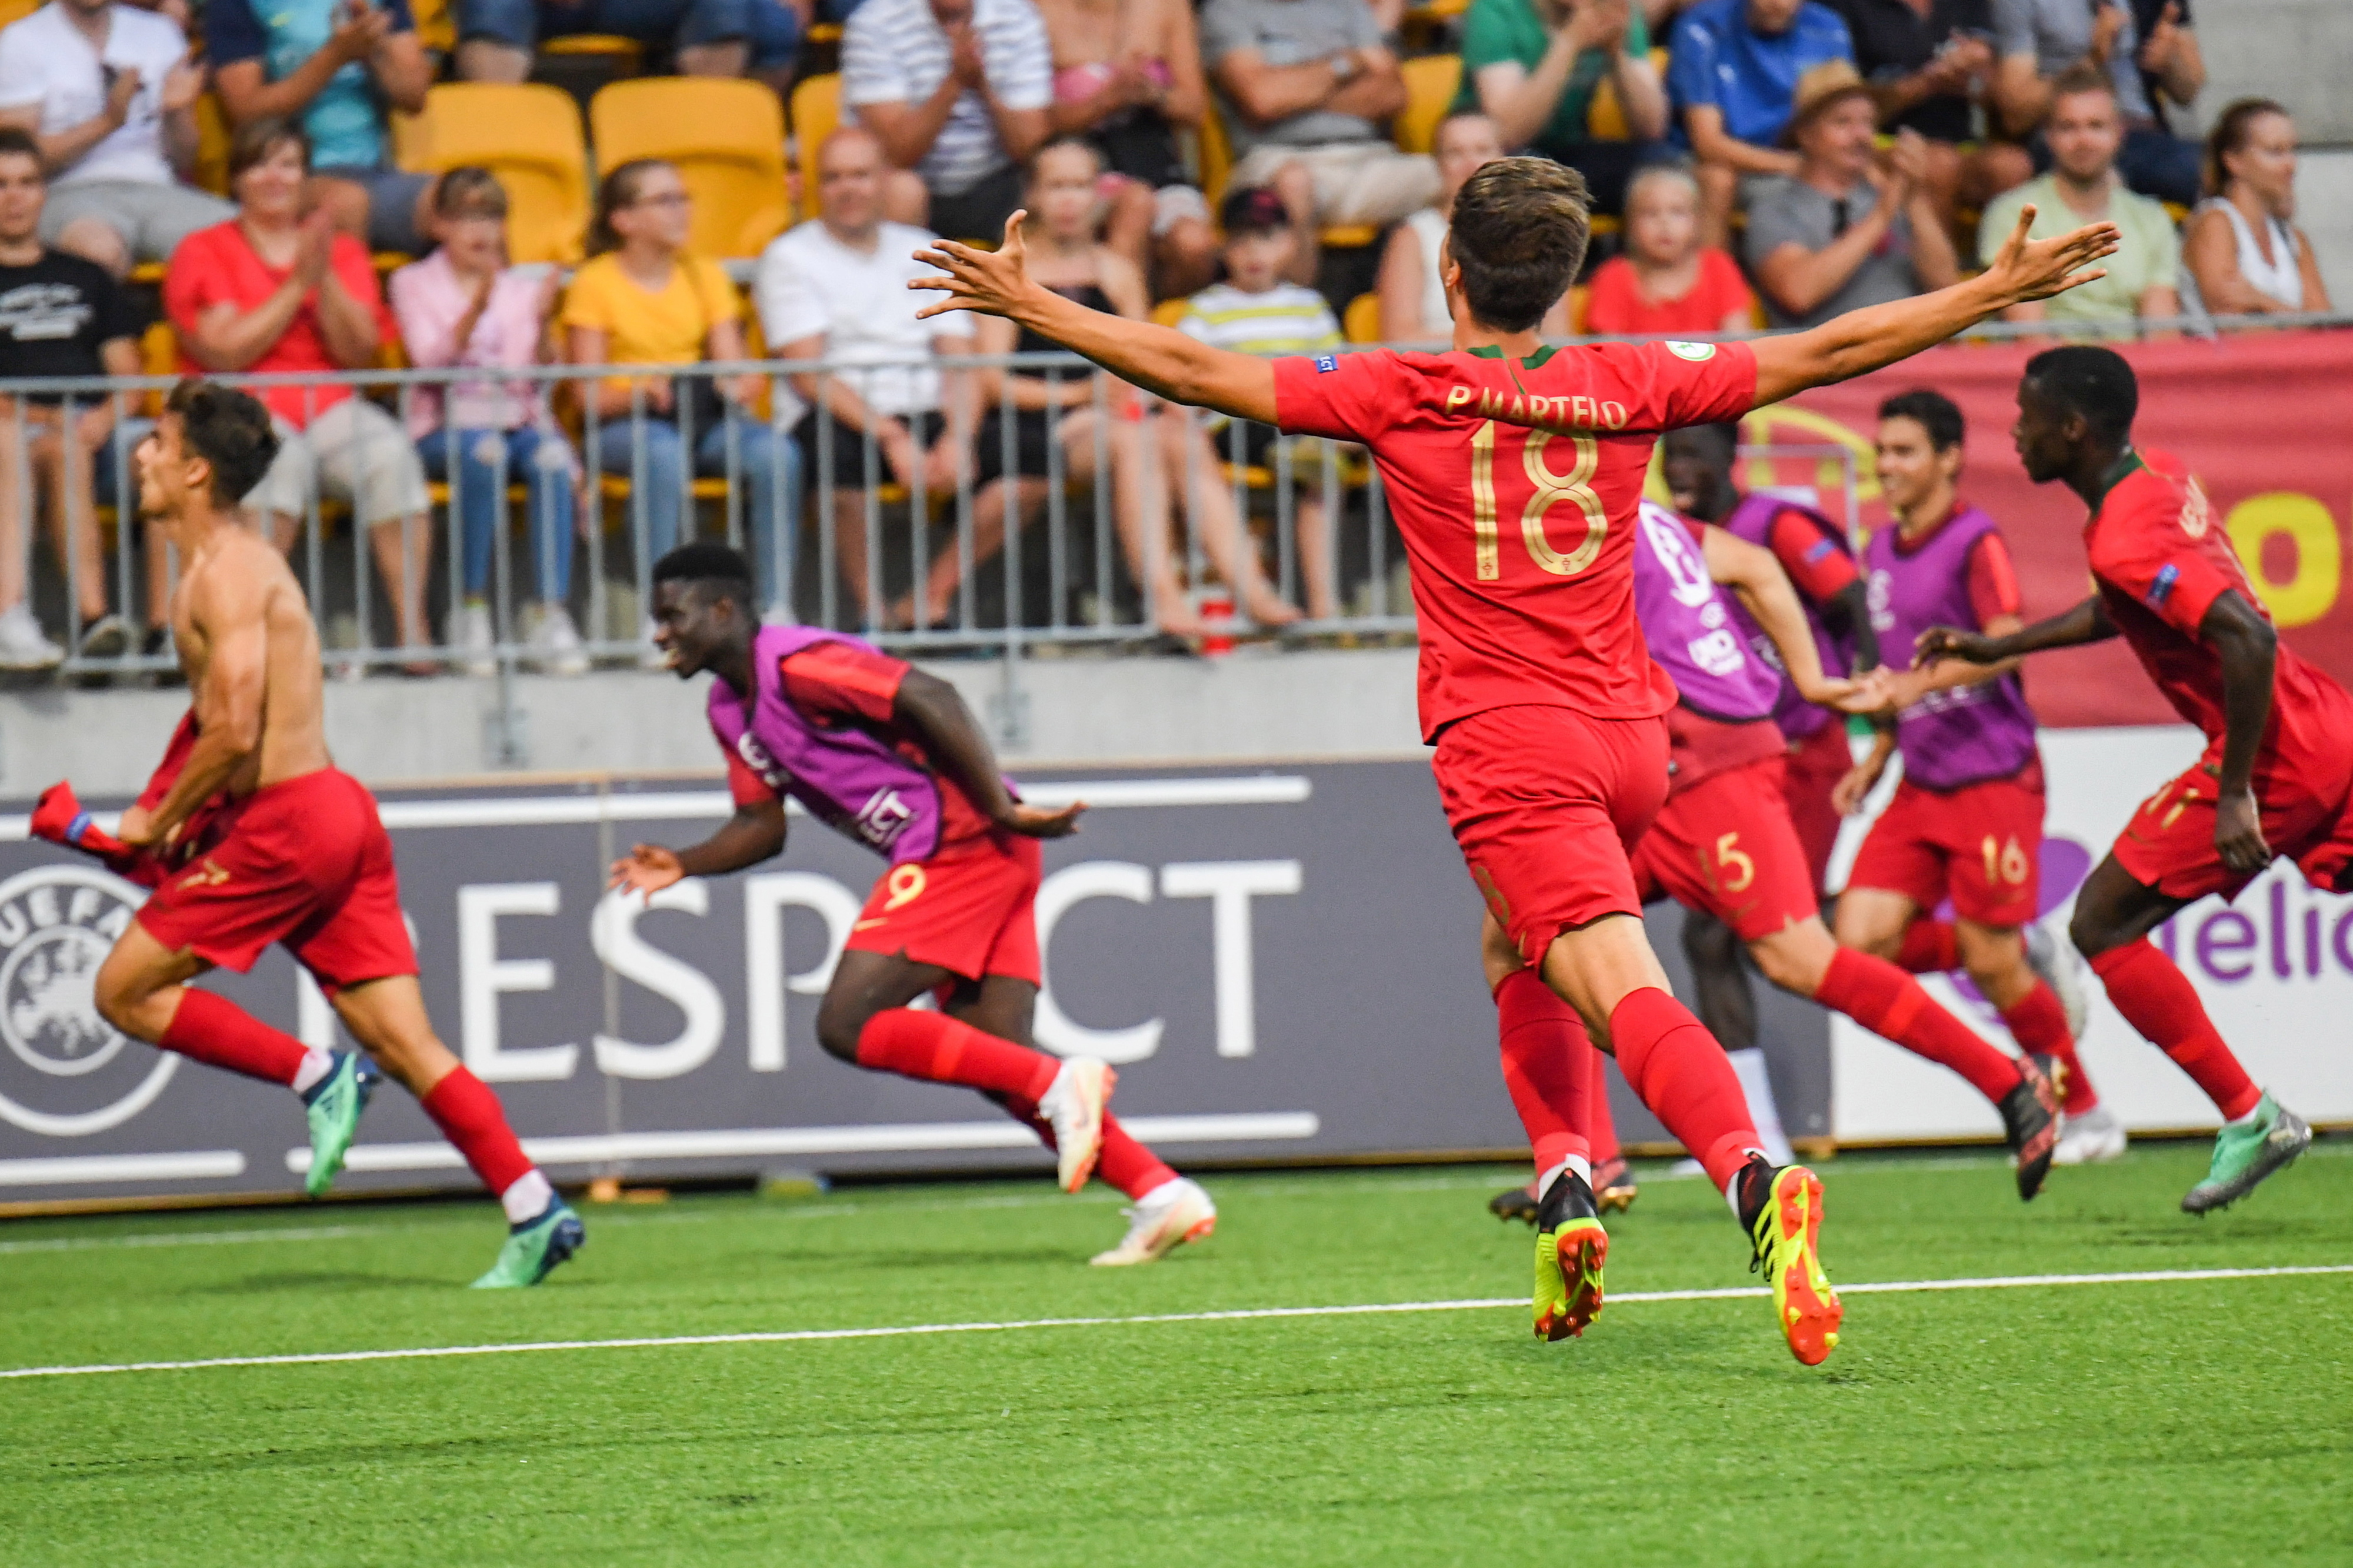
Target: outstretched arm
column 2249, row 649
column 2086, row 623
column 1751, row 572
column 756, row 833
column 1158, row 359
column 1864, row 340
column 931, row 708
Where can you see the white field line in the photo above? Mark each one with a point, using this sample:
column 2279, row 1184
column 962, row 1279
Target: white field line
column 434, row 1352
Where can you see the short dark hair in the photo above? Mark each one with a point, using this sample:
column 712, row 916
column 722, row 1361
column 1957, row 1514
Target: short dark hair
column 719, row 571
column 1518, row 232
column 2094, row 382
column 230, row 430
column 1072, row 142
column 2082, row 77
column 17, row 143
column 257, row 140
column 618, row 189
column 470, row 190
column 1932, row 412
column 1720, row 441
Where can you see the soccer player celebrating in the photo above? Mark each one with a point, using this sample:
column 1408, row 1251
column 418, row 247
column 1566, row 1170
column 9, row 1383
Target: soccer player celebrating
column 1546, row 713
column 2277, row 771
column 1967, row 821
column 890, row 757
column 250, row 835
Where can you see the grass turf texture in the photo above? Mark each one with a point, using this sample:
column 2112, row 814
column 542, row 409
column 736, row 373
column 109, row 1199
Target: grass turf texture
column 2167, row 1422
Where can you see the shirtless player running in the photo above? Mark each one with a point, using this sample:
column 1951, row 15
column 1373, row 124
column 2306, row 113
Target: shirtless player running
column 250, row 835
column 1546, row 712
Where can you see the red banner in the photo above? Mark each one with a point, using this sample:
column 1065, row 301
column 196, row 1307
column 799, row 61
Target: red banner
column 2264, row 420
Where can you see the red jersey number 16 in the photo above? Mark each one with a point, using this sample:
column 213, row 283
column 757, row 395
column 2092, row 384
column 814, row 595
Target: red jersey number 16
column 1550, row 489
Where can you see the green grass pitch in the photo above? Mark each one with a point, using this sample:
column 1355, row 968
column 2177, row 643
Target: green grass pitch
column 2181, row 1422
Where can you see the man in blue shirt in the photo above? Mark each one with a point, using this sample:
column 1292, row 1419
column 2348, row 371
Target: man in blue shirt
column 334, row 66
column 1732, row 74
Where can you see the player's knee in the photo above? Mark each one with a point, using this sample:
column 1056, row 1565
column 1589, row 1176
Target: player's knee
column 838, row 1025
column 119, row 997
column 1793, row 963
column 2091, row 930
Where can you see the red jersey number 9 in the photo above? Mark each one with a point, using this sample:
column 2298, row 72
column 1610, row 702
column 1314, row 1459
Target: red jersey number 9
column 1551, row 488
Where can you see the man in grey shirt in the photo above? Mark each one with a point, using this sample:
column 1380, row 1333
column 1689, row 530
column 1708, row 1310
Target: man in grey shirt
column 1302, row 85
column 1842, row 233
column 2038, row 41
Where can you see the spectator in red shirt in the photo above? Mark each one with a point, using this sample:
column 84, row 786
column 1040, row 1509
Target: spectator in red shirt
column 1666, row 282
column 273, row 291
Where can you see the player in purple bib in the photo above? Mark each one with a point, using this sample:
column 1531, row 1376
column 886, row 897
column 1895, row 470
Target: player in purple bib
column 1966, row 822
column 888, row 756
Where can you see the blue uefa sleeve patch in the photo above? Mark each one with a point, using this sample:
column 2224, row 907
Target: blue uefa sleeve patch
column 1326, row 364
column 2161, row 587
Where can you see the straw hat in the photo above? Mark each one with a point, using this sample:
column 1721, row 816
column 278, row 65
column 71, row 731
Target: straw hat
column 1831, row 82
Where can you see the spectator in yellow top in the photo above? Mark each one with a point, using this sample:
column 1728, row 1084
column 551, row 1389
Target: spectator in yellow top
column 642, row 299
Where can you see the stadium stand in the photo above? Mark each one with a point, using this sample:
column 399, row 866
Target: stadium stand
column 530, row 136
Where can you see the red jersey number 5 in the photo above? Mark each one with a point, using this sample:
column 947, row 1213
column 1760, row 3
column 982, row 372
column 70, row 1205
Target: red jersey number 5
column 1551, row 488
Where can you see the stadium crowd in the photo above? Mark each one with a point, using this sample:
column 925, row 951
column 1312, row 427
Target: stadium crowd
column 238, row 188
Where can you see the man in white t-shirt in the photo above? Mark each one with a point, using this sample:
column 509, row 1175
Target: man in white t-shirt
column 110, row 94
column 956, row 92
column 836, row 289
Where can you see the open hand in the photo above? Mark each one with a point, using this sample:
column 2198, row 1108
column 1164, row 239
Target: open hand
column 2108, row 25
column 1036, row 822
column 2164, row 40
column 119, row 93
column 2239, row 833
column 313, row 246
column 646, row 868
column 2026, row 269
column 1848, row 793
column 993, row 285
column 183, row 85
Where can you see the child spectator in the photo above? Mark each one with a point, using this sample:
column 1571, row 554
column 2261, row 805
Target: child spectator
column 1733, row 77
column 1305, row 84
column 1125, row 78
column 2241, row 253
column 109, row 92
column 1666, row 283
column 1412, row 291
column 641, row 300
column 270, row 291
column 334, row 67
column 1533, row 66
column 2083, row 131
column 59, row 316
column 957, row 92
column 464, row 307
column 834, row 288
column 1256, row 311
column 759, row 38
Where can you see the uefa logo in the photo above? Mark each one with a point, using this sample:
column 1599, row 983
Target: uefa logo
column 67, row 1072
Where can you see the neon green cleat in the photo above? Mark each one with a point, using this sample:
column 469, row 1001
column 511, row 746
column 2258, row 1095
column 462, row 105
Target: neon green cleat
column 1783, row 1211
column 2246, row 1153
column 1571, row 1248
column 533, row 1249
column 333, row 1105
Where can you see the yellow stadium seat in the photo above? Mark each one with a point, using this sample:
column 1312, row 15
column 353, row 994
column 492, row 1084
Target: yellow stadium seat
column 817, row 109
column 16, row 10
column 211, row 169
column 600, row 46
column 1362, row 321
column 1431, row 83
column 1168, row 312
column 1576, row 301
column 727, row 139
column 529, row 135
column 437, row 24
column 1217, row 161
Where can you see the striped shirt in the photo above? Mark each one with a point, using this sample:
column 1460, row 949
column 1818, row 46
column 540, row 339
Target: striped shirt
column 1288, row 318
column 892, row 51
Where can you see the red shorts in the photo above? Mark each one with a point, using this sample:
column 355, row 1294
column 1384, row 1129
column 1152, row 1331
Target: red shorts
column 1980, row 846
column 1816, row 765
column 1546, row 803
column 1726, row 847
column 2169, row 845
column 971, row 909
column 305, row 862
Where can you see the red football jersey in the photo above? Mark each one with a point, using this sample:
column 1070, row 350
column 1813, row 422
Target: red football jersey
column 1514, row 483
column 2160, row 558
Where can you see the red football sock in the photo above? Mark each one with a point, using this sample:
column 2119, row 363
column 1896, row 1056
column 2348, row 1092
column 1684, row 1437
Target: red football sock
column 1677, row 1068
column 1124, row 1163
column 218, row 1032
column 1930, row 947
column 1886, row 1001
column 467, row 1113
column 1601, row 1130
column 2156, row 999
column 1545, row 1067
column 2039, row 1023
column 940, row 1049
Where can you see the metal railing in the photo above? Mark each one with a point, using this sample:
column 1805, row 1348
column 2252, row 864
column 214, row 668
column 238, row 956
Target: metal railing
column 1096, row 519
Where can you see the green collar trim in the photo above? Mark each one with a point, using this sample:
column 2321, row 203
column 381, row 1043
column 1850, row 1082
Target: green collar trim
column 1485, row 351
column 1534, row 362
column 2127, row 463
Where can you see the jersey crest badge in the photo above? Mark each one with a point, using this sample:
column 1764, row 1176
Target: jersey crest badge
column 1696, row 352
